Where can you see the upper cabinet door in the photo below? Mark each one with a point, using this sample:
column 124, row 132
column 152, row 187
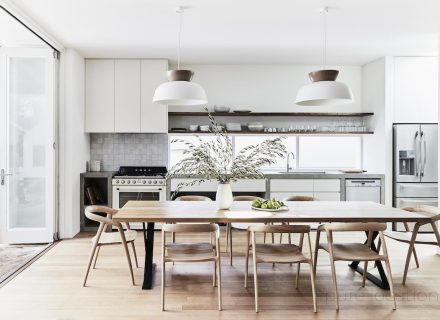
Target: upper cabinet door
column 154, row 117
column 415, row 89
column 127, row 95
column 100, row 99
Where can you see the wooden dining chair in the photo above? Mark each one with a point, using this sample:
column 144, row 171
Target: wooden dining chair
column 192, row 252
column 278, row 253
column 354, row 251
column 298, row 198
column 414, row 237
column 103, row 238
column 190, row 198
column 241, row 226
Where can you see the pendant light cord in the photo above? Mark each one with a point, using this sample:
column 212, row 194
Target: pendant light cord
column 324, row 12
column 179, row 10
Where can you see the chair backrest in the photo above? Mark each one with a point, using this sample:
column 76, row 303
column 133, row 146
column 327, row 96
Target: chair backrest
column 299, row 198
column 268, row 228
column 245, row 198
column 91, row 213
column 192, row 198
column 355, row 226
column 432, row 212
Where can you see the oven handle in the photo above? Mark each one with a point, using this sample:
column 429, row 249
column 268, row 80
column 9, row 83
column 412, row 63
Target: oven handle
column 137, row 189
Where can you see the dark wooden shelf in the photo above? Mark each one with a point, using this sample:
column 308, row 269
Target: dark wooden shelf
column 272, row 114
column 232, row 133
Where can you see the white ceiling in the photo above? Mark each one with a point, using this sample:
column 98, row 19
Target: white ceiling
column 12, row 33
column 242, row 31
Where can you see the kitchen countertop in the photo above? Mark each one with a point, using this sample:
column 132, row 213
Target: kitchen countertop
column 308, row 175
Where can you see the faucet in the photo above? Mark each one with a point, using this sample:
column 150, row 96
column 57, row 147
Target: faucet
column 288, row 167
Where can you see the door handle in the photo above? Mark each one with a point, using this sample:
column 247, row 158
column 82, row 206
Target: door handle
column 417, row 152
column 3, row 175
column 424, row 154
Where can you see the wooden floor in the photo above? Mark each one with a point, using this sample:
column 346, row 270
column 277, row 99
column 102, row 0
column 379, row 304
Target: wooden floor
column 51, row 288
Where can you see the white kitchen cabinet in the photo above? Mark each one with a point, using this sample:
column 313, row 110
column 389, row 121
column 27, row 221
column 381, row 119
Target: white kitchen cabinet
column 154, row 117
column 415, row 89
column 292, row 185
column 251, row 185
column 100, row 99
column 119, row 96
column 282, row 195
column 127, row 95
column 327, row 185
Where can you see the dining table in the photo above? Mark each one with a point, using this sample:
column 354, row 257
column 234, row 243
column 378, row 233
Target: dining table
column 151, row 212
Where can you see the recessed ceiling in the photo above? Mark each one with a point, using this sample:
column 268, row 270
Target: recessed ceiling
column 242, row 31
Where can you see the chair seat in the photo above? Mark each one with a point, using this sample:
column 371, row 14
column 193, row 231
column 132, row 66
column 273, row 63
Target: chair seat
column 115, row 237
column 352, row 251
column 279, row 253
column 190, row 252
column 422, row 238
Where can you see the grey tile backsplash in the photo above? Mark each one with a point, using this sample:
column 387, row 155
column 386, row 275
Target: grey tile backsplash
column 129, row 149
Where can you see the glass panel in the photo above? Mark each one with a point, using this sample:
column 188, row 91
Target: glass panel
column 330, row 152
column 124, row 197
column 290, row 143
column 26, row 138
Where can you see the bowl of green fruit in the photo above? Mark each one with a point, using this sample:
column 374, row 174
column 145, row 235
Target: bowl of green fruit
column 271, row 205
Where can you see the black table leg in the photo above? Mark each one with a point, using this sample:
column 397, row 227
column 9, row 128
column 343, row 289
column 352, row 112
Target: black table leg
column 149, row 266
column 382, row 281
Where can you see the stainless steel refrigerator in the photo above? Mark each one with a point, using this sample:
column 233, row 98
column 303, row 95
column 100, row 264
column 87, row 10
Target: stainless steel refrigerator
column 415, row 166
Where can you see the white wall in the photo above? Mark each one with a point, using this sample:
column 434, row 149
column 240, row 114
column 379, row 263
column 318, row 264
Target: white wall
column 262, row 88
column 377, row 148
column 74, row 144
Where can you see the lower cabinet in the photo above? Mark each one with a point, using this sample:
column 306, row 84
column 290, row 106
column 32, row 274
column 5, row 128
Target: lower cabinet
column 321, row 189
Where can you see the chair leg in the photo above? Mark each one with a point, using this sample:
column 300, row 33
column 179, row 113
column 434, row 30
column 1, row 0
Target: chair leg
column 390, row 281
column 364, row 275
column 410, row 251
column 315, row 262
column 312, row 278
column 214, row 274
column 162, row 287
column 335, row 284
column 96, row 257
column 416, row 259
column 246, row 263
column 297, row 274
column 127, row 253
column 92, row 253
column 227, row 237
column 255, row 284
column 230, row 244
column 134, row 253
column 219, row 284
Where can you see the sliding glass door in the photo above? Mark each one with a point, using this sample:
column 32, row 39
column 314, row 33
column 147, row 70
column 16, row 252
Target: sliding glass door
column 27, row 155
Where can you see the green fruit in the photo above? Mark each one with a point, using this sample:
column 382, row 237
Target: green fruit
column 264, row 206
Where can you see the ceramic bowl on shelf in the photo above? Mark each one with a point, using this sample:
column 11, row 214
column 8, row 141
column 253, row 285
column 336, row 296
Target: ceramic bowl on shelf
column 233, row 127
column 255, row 126
column 204, row 128
column 221, row 109
column 193, row 127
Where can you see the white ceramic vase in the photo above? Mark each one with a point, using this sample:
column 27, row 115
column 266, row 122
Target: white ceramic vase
column 223, row 196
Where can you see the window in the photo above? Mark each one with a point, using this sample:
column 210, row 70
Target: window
column 329, row 152
column 289, row 142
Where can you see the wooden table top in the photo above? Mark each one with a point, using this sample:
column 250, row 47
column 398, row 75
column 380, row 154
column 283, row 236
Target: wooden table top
column 240, row 211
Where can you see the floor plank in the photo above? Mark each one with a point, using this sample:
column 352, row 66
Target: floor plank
column 51, row 288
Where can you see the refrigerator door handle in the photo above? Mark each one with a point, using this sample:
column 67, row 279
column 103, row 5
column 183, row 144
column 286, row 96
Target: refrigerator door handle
column 417, row 152
column 424, row 154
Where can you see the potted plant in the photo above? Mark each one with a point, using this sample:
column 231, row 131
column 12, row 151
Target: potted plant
column 213, row 160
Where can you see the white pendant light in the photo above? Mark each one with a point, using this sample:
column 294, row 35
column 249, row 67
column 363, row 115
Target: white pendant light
column 324, row 90
column 179, row 90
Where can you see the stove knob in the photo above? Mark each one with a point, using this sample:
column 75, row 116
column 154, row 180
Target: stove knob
column 149, row 181
column 155, row 181
column 116, row 181
column 144, row 181
column 122, row 181
column 128, row 181
column 133, row 181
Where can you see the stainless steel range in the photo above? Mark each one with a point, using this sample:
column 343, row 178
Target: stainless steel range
column 139, row 183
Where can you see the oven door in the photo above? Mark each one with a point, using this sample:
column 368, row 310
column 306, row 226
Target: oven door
column 123, row 194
